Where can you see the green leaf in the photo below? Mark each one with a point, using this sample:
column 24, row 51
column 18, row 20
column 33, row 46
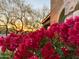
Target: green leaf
column 4, row 56
column 38, row 53
column 62, row 16
column 43, row 42
column 59, row 51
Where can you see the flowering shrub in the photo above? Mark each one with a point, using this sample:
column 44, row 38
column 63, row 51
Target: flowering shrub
column 58, row 41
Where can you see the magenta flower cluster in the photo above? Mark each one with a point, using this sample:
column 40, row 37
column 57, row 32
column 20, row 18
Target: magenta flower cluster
column 40, row 44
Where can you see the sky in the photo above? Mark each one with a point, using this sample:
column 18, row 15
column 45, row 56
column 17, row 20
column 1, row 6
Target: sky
column 39, row 3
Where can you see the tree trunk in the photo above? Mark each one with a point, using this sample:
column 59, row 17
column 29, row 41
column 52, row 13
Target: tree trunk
column 56, row 7
column 6, row 30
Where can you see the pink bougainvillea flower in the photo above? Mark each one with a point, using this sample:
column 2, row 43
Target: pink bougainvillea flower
column 76, row 18
column 27, row 46
column 65, row 51
column 1, row 41
column 63, row 32
column 77, row 52
column 47, row 50
column 76, row 26
column 57, row 56
column 3, row 48
column 33, row 57
column 69, row 21
column 69, row 31
column 52, row 30
column 23, row 52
